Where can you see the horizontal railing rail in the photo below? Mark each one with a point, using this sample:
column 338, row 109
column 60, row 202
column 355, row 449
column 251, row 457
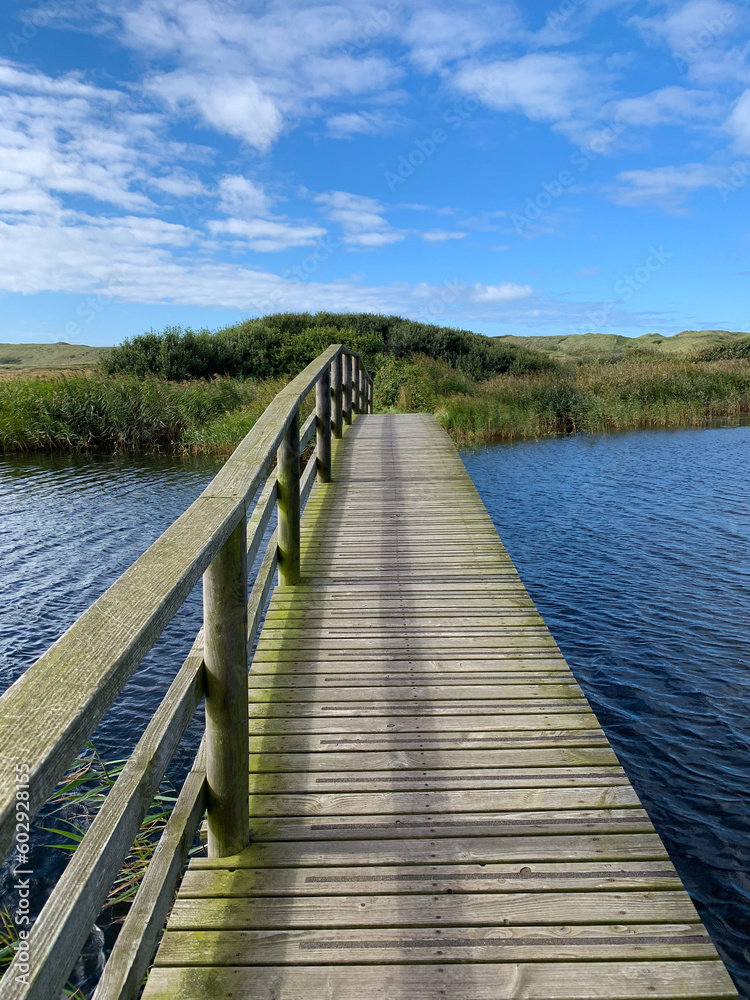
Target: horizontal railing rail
column 47, row 715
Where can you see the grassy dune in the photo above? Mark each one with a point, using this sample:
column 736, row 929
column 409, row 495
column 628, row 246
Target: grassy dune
column 604, row 346
column 15, row 357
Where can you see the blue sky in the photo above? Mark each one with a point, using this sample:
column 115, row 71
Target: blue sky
column 530, row 169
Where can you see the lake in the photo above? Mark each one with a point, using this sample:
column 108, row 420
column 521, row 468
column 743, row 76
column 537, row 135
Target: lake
column 635, row 548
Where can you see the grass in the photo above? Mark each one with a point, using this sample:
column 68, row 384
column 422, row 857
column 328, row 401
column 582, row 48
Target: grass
column 46, row 356
column 635, row 393
column 625, row 389
column 95, row 412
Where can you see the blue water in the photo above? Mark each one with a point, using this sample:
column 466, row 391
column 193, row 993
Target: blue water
column 636, row 550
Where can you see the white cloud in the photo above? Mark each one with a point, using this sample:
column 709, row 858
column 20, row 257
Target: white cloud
column 267, row 235
column 439, row 235
column 239, row 196
column 348, row 124
column 360, row 217
column 704, row 37
column 506, row 291
column 669, row 106
column 738, row 123
column 439, row 36
column 544, row 87
column 235, row 106
column 664, row 187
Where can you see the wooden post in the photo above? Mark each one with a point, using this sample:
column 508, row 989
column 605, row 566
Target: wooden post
column 356, row 404
column 287, row 484
column 338, row 408
column 347, row 388
column 362, row 389
column 225, row 655
column 323, row 425
column 370, row 390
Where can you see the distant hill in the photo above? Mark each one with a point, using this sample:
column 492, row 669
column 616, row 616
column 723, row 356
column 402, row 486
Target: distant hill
column 610, row 345
column 58, row 355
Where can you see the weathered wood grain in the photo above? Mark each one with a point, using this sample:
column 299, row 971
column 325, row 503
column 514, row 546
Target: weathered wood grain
column 689, row 980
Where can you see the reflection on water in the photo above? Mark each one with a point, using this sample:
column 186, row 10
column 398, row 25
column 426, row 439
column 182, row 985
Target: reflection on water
column 636, row 550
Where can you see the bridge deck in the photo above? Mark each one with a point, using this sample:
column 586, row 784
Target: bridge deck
column 435, row 812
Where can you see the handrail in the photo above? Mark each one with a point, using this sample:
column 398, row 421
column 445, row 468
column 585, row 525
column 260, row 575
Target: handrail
column 48, row 714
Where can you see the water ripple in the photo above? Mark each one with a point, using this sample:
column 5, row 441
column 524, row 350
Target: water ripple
column 636, row 550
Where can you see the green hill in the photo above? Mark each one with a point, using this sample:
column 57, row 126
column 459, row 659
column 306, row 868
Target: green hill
column 58, row 355
column 585, row 346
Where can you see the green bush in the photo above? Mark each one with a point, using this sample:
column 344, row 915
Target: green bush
column 282, row 344
column 727, row 352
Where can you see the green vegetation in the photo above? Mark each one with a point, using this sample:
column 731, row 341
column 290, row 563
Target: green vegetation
column 127, row 414
column 187, row 392
column 727, row 352
column 282, row 344
column 43, row 356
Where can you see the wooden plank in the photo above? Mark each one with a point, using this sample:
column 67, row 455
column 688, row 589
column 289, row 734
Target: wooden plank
column 366, row 760
column 589, row 877
column 441, row 910
column 625, row 942
column 412, row 693
column 701, row 980
column 392, row 741
column 484, row 824
column 533, row 721
column 427, row 779
column 584, row 847
column 397, row 803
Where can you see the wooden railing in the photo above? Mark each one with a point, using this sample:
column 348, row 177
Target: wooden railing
column 49, row 713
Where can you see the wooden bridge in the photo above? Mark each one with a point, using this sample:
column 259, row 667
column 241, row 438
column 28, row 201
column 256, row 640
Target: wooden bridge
column 433, row 809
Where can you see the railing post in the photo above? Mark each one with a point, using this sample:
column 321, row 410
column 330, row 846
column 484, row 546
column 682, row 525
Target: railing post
column 356, row 404
column 362, row 389
column 323, row 425
column 338, row 401
column 287, row 484
column 225, row 656
column 370, row 391
column 347, row 388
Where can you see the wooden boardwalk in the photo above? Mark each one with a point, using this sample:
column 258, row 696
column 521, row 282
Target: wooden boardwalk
column 436, row 813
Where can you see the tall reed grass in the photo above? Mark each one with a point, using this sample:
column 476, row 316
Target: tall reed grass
column 94, row 412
